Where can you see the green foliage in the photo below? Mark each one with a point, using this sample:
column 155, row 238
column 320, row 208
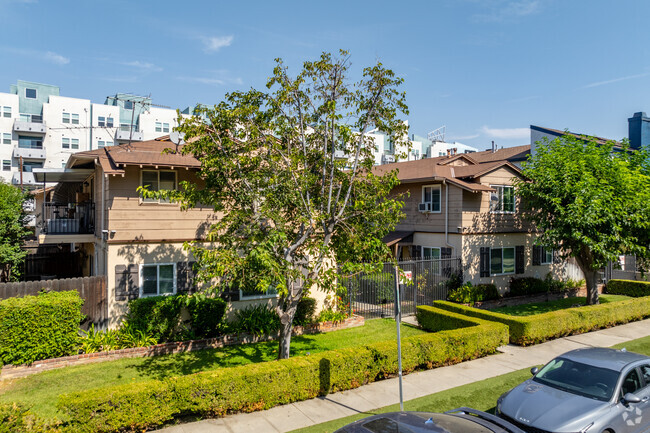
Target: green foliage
column 469, row 294
column 288, row 206
column 588, row 200
column 260, row 319
column 305, row 312
column 12, row 231
column 331, row 315
column 632, row 288
column 160, row 317
column 525, row 286
column 146, row 405
column 455, row 281
column 39, row 327
column 12, row 418
column 526, row 330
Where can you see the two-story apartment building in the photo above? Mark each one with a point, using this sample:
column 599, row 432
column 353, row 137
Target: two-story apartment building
column 465, row 206
column 137, row 243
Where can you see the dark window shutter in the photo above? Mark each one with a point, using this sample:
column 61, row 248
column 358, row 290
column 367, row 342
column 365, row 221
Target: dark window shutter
column 127, row 282
column 520, row 259
column 537, row 255
column 185, row 277
column 556, row 257
column 418, row 251
column 485, row 262
column 445, row 253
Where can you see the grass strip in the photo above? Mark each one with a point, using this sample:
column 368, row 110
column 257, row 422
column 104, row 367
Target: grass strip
column 558, row 304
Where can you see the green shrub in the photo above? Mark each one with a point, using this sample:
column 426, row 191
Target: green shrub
column 525, row 330
column 632, row 288
column 305, row 311
column 12, row 418
column 248, row 388
column 206, row 315
column 39, row 327
column 260, row 319
column 525, row 286
column 468, row 293
column 331, row 315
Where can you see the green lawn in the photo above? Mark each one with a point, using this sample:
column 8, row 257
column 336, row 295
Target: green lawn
column 41, row 390
column 559, row 304
column 478, row 395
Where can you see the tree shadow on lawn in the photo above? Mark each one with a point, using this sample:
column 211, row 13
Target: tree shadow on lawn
column 180, row 364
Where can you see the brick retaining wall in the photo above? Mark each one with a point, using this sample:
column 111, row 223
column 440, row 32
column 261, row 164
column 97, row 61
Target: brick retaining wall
column 11, row 371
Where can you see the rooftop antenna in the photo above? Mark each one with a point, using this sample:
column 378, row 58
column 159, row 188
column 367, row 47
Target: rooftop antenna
column 437, row 134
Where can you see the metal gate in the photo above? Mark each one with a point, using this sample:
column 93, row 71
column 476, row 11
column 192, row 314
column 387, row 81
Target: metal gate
column 421, row 282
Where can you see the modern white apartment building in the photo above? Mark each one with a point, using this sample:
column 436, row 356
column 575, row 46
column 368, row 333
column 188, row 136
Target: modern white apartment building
column 41, row 128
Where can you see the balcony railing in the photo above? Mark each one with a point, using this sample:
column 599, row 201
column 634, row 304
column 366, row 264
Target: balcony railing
column 30, row 123
column 69, row 218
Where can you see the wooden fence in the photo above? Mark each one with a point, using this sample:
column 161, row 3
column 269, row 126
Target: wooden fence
column 91, row 289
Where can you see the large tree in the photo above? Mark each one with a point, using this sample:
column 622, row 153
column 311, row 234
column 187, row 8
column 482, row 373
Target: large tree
column 12, row 231
column 588, row 200
column 290, row 171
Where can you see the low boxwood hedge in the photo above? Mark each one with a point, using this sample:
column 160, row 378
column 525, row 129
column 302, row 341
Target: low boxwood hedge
column 264, row 385
column 39, row 327
column 526, row 330
column 632, row 288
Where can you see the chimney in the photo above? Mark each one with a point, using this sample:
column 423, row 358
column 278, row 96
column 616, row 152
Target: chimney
column 639, row 130
column 493, row 147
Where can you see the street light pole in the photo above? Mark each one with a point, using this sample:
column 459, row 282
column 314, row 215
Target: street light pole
column 398, row 320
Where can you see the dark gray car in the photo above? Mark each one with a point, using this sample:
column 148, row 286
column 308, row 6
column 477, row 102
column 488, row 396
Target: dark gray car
column 461, row 420
column 591, row 390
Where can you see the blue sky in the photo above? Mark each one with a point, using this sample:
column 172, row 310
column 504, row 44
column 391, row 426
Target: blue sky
column 487, row 69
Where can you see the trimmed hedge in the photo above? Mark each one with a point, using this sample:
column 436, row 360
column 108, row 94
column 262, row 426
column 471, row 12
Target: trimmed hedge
column 469, row 293
column 264, row 385
column 526, row 330
column 39, row 327
column 636, row 289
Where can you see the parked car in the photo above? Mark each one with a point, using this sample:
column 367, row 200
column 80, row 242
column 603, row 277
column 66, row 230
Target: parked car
column 461, row 420
column 591, row 390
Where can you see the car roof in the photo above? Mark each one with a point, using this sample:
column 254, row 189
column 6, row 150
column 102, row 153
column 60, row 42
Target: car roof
column 611, row 359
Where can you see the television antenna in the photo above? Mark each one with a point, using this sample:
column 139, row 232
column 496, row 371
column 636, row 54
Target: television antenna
column 437, row 134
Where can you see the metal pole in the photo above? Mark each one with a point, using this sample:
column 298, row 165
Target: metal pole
column 398, row 320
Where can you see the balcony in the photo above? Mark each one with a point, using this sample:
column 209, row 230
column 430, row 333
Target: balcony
column 125, row 133
column 69, row 218
column 30, row 124
column 27, row 179
column 29, row 153
column 387, row 159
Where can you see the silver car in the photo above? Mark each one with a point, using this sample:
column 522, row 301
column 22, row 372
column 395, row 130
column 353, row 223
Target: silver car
column 585, row 391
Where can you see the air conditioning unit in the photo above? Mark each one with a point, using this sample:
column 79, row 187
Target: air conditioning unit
column 425, row 207
column 388, row 159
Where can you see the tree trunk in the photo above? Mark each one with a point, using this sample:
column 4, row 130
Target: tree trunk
column 591, row 276
column 286, row 326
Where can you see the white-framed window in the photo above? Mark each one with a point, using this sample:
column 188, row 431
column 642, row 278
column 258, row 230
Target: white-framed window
column 270, row 293
column 30, row 93
column 70, row 143
column 6, row 111
column 109, row 122
column 430, row 199
column 546, row 256
column 6, row 165
column 502, row 261
column 158, row 127
column 75, row 118
column 109, row 143
column 65, row 118
column 165, row 127
column 158, row 180
column 157, row 279
column 432, row 253
column 100, row 144
column 6, row 138
column 503, row 200
column 101, row 121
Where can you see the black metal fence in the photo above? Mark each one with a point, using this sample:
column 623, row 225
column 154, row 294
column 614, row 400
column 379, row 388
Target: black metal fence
column 69, row 218
column 421, row 282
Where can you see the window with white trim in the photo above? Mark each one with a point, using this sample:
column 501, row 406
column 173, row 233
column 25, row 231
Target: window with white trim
column 546, row 256
column 70, row 143
column 503, row 200
column 65, row 118
column 6, row 165
column 502, row 261
column 6, row 111
column 158, row 127
column 430, row 199
column 157, row 279
column 432, row 253
column 157, row 180
column 6, row 138
column 101, row 121
column 165, row 127
column 109, row 122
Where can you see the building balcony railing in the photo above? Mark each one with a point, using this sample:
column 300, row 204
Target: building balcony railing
column 125, row 134
column 29, row 153
column 30, row 124
column 69, row 218
column 27, row 178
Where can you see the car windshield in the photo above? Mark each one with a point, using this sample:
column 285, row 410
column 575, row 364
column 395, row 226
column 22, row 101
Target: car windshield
column 578, row 378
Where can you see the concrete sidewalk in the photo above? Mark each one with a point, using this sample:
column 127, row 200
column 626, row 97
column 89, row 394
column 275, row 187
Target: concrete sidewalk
column 379, row 394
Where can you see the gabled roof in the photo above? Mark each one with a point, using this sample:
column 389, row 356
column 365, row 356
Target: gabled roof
column 558, row 133
column 114, row 159
column 463, row 176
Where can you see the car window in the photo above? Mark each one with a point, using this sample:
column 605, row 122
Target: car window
column 578, row 378
column 631, row 383
column 645, row 372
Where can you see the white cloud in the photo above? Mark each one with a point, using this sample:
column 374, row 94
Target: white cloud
column 464, row 137
column 212, row 44
column 56, row 58
column 145, row 66
column 615, row 80
column 214, row 78
column 506, row 133
column 503, row 11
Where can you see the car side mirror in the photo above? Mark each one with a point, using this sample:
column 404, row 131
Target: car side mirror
column 534, row 371
column 631, row 398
